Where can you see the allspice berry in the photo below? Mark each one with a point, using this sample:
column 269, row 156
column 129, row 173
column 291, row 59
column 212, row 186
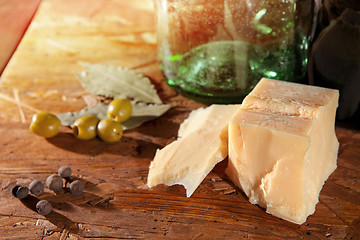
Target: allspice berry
column 43, row 207
column 65, row 172
column 20, row 192
column 76, row 188
column 36, row 187
column 54, row 182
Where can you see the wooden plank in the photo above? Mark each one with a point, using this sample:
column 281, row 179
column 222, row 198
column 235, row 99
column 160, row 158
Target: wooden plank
column 16, row 16
column 65, row 33
column 116, row 196
column 116, row 203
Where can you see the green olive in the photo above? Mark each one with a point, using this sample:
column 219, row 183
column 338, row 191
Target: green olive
column 45, row 124
column 85, row 127
column 120, row 110
column 109, row 130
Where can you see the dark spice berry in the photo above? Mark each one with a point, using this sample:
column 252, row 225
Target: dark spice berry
column 20, row 192
column 54, row 182
column 43, row 207
column 65, row 172
column 36, row 187
column 76, row 188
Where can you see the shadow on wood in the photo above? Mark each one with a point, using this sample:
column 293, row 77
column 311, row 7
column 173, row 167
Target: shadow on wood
column 54, row 217
column 127, row 146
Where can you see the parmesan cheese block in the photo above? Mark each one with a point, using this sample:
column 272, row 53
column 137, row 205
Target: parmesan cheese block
column 282, row 146
column 201, row 144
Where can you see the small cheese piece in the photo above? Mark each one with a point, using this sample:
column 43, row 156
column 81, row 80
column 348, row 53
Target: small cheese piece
column 201, row 144
column 282, row 146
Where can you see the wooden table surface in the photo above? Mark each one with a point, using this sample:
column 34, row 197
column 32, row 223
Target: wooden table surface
column 116, row 203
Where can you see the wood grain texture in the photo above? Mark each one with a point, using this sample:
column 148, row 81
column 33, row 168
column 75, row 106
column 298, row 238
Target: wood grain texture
column 116, row 203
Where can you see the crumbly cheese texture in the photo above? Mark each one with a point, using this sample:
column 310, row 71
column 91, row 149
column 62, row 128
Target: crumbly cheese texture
column 201, row 144
column 282, row 146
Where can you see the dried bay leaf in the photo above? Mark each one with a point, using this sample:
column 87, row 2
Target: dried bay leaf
column 142, row 112
column 143, row 109
column 118, row 82
column 68, row 118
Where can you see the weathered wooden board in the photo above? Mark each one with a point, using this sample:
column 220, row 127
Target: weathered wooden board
column 116, row 203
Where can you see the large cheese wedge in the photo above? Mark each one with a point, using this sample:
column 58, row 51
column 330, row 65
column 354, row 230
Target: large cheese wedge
column 282, row 146
column 202, row 143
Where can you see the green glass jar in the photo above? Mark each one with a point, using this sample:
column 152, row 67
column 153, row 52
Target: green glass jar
column 216, row 51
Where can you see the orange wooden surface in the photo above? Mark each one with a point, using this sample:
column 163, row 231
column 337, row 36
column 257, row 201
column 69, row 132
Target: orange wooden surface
column 15, row 16
column 116, row 203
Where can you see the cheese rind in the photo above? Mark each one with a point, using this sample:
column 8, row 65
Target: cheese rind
column 202, row 143
column 282, row 146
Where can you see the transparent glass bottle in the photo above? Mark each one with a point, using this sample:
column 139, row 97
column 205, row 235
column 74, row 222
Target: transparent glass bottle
column 216, row 51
